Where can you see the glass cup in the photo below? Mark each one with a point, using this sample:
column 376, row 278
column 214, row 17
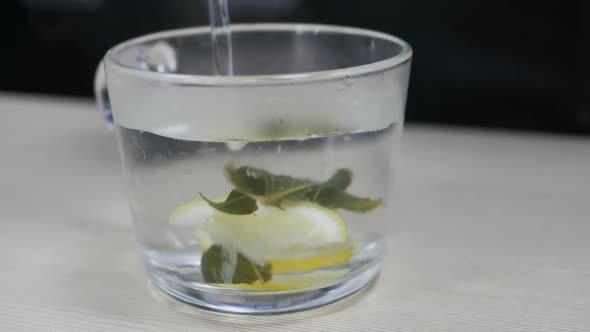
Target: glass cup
column 269, row 191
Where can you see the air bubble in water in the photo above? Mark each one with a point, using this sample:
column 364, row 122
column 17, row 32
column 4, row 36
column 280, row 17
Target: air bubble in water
column 346, row 82
column 162, row 58
column 235, row 145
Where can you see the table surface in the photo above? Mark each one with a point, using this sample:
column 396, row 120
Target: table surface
column 491, row 233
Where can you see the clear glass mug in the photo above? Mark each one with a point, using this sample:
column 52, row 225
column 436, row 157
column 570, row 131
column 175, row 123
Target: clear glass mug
column 268, row 191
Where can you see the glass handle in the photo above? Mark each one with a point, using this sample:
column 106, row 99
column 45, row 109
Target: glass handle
column 101, row 94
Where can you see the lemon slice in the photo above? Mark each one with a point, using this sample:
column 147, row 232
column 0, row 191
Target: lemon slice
column 192, row 214
column 297, row 237
column 280, row 282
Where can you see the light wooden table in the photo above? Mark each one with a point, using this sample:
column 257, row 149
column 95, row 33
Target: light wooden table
column 492, row 233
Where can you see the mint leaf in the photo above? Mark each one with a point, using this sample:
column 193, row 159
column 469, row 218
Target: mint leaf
column 337, row 199
column 341, row 180
column 219, row 265
column 269, row 188
column 253, row 184
column 235, row 203
column 249, row 179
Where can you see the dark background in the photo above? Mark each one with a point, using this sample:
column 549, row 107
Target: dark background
column 503, row 63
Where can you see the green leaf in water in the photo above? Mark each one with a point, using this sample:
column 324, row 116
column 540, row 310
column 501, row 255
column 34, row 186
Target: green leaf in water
column 254, row 184
column 270, row 189
column 337, row 199
column 341, row 180
column 235, row 203
column 220, row 265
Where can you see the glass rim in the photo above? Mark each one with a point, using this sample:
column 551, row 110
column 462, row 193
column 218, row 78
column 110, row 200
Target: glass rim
column 273, row 79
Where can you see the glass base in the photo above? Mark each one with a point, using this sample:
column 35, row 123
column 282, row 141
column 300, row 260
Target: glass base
column 261, row 303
